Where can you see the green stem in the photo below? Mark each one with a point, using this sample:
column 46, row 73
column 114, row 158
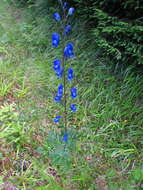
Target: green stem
column 64, row 71
column 65, row 96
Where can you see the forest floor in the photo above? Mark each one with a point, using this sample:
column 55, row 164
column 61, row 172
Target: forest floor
column 107, row 151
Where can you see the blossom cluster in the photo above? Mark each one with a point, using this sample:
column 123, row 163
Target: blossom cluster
column 59, row 66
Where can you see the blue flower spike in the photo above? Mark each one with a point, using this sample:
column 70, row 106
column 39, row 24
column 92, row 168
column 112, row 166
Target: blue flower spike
column 59, row 66
column 71, row 11
column 73, row 93
column 73, row 107
column 57, row 119
column 65, row 137
column 69, row 51
column 67, row 29
column 55, row 39
column 57, row 16
column 70, row 74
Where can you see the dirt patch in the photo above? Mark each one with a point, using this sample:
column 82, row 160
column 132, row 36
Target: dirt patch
column 101, row 183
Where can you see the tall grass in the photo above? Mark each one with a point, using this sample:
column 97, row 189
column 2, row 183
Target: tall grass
column 107, row 151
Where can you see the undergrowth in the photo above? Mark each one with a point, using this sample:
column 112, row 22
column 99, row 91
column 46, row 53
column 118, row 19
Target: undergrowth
column 105, row 147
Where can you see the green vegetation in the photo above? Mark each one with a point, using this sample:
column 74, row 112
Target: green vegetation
column 107, row 151
column 116, row 27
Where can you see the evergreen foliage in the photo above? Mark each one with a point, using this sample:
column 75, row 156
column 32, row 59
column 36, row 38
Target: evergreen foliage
column 117, row 28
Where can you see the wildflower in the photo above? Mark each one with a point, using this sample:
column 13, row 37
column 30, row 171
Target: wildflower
column 59, row 95
column 73, row 93
column 57, row 68
column 71, row 11
column 57, row 98
column 55, row 39
column 57, row 16
column 70, row 74
column 68, row 51
column 60, row 73
column 67, row 29
column 65, row 5
column 56, row 65
column 65, row 137
column 73, row 107
column 60, row 90
column 57, row 119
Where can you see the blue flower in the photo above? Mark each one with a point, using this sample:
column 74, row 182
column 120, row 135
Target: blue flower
column 57, row 119
column 60, row 73
column 55, row 39
column 68, row 51
column 60, row 90
column 56, row 65
column 57, row 16
column 71, row 11
column 57, row 98
column 67, row 29
column 59, row 95
column 65, row 5
column 65, row 137
column 70, row 74
column 73, row 93
column 73, row 107
column 57, row 68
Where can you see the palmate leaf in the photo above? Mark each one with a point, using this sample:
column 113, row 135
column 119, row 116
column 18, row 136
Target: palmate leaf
column 61, row 157
column 60, row 153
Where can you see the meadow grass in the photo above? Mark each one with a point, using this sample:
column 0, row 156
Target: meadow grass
column 105, row 147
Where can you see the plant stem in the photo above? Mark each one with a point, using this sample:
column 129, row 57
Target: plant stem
column 65, row 97
column 64, row 71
